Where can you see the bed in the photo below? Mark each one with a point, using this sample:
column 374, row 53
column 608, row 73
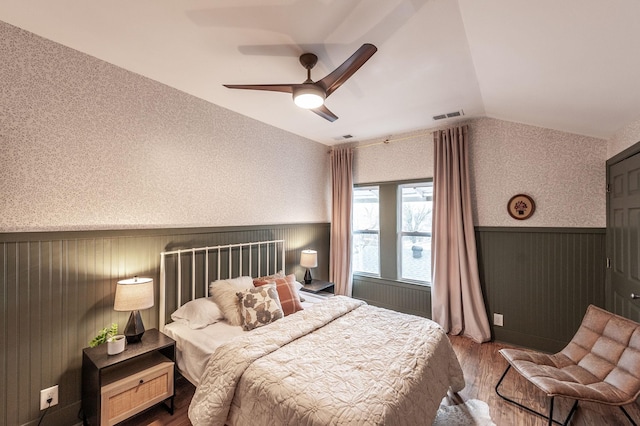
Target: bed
column 336, row 361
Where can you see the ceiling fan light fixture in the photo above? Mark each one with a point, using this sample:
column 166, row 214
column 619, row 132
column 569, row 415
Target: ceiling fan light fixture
column 309, row 97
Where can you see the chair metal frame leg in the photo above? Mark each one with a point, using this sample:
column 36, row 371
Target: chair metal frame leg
column 531, row 410
column 628, row 416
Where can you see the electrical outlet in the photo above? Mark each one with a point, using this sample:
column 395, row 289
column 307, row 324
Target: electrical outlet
column 47, row 393
column 498, row 320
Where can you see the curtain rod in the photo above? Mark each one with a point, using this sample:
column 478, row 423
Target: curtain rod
column 387, row 141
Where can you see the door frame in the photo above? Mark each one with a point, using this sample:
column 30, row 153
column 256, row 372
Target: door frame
column 621, row 156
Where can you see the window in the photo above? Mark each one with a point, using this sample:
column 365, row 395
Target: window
column 392, row 230
column 416, row 203
column 366, row 230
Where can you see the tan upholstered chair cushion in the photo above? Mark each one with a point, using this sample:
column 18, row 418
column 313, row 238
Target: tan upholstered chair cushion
column 600, row 364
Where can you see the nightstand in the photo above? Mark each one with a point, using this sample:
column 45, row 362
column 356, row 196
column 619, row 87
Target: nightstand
column 318, row 286
column 116, row 387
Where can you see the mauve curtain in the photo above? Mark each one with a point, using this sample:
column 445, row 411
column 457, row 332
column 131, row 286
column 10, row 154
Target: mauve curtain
column 342, row 190
column 456, row 295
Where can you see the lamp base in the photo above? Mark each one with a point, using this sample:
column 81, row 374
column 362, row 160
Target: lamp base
column 307, row 277
column 134, row 329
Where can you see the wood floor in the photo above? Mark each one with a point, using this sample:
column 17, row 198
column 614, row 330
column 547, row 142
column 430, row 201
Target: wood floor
column 482, row 367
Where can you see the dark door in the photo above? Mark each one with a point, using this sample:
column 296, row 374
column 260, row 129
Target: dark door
column 623, row 234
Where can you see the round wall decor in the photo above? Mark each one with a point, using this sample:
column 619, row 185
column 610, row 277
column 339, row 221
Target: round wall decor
column 521, row 207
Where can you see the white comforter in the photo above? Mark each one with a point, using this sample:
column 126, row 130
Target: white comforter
column 339, row 362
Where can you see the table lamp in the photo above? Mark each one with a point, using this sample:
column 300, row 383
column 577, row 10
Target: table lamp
column 308, row 259
column 133, row 295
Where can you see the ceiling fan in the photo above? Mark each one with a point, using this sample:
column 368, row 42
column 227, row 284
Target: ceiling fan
column 310, row 94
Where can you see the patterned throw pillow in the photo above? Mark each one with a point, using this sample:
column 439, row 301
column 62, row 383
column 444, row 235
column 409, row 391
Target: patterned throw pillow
column 259, row 306
column 287, row 292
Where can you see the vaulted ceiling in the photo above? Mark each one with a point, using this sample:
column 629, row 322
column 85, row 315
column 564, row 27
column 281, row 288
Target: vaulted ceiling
column 570, row 65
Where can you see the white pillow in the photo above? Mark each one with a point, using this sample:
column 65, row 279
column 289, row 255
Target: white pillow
column 298, row 285
column 198, row 313
column 224, row 294
column 240, row 283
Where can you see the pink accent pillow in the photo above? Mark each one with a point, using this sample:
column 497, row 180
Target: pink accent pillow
column 287, row 293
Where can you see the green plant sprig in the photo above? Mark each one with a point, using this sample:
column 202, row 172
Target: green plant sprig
column 103, row 335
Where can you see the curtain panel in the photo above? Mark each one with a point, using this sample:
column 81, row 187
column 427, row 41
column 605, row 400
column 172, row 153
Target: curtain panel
column 457, row 302
column 340, row 240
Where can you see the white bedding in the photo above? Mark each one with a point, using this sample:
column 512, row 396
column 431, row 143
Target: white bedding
column 337, row 362
column 194, row 347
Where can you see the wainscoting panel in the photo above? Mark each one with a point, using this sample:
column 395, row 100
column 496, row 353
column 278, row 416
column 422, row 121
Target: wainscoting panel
column 541, row 280
column 57, row 292
column 409, row 298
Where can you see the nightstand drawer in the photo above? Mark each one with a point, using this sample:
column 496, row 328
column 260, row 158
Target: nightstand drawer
column 135, row 387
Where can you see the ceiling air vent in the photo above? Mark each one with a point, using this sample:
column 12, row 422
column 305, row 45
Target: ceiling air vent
column 341, row 138
column 448, row 115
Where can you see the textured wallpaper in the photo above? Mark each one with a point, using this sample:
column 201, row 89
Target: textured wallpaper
column 87, row 145
column 407, row 156
column 564, row 173
column 624, row 138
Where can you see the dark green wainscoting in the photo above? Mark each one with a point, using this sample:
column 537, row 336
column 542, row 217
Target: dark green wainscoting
column 540, row 279
column 398, row 296
column 57, row 291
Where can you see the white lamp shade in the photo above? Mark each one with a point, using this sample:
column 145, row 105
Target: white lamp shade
column 134, row 294
column 309, row 259
column 308, row 97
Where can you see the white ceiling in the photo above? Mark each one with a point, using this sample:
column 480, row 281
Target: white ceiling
column 570, row 65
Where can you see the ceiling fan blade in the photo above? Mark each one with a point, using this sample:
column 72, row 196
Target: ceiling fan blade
column 285, row 88
column 338, row 76
column 324, row 112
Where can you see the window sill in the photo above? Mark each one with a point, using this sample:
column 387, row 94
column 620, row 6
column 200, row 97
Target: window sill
column 404, row 282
